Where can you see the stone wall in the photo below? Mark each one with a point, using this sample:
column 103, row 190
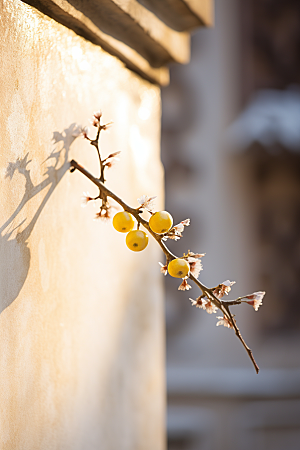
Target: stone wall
column 81, row 323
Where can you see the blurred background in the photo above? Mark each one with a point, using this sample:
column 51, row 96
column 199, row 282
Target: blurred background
column 231, row 151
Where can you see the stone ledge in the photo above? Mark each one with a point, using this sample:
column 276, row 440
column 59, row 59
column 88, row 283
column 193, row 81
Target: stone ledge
column 182, row 15
column 144, row 40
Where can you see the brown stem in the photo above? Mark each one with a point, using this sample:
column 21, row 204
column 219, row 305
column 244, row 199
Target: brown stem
column 222, row 305
column 95, row 143
column 240, row 337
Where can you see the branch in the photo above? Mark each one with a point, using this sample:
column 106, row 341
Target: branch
column 208, row 292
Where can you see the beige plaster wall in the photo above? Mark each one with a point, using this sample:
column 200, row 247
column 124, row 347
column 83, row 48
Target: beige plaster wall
column 81, row 323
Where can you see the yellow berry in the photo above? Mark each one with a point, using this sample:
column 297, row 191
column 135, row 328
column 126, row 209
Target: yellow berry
column 123, row 222
column 136, row 240
column 161, row 222
column 178, row 268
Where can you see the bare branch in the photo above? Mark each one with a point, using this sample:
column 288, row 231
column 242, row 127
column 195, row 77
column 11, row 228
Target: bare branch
column 135, row 212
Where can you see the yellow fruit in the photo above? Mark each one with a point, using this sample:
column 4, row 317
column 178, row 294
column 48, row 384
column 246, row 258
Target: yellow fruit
column 123, row 222
column 136, row 240
column 178, row 268
column 161, row 222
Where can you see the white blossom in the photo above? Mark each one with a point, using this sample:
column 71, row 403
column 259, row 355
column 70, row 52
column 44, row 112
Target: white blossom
column 184, row 286
column 146, row 202
column 175, row 232
column 210, row 308
column 200, row 302
column 163, row 268
column 224, row 321
column 255, row 299
column 195, row 266
column 223, row 288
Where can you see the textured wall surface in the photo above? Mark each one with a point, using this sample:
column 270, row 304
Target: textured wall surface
column 81, row 323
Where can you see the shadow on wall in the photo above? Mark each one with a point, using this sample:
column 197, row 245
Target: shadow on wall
column 15, row 252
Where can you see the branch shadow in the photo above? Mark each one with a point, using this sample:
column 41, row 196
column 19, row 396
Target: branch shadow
column 15, row 253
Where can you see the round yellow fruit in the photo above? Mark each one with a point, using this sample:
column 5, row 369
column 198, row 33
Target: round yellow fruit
column 123, row 222
column 161, row 222
column 178, row 268
column 136, row 240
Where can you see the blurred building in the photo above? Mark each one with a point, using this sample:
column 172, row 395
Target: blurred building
column 231, row 149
